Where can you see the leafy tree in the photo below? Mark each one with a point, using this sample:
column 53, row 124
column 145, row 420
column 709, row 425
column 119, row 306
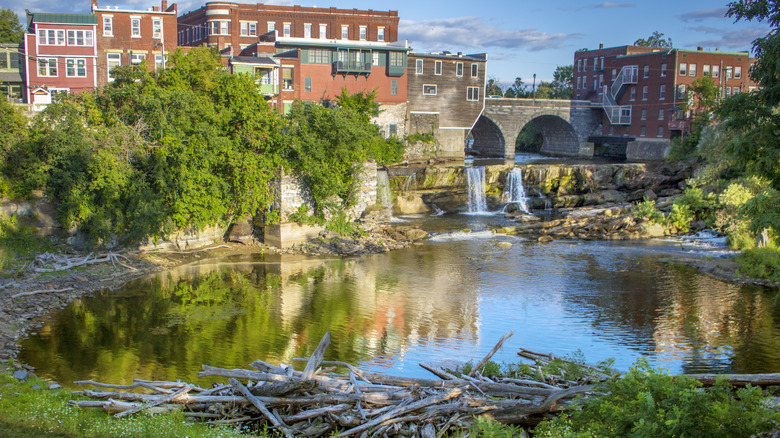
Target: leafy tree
column 493, row 88
column 363, row 103
column 655, row 40
column 11, row 30
column 563, row 82
column 518, row 87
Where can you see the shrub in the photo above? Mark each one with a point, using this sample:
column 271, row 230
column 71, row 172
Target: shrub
column 647, row 402
column 680, row 217
column 760, row 263
column 646, row 209
column 701, row 205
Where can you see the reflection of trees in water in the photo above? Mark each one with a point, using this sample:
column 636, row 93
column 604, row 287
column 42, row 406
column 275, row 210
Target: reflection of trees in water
column 704, row 322
column 168, row 325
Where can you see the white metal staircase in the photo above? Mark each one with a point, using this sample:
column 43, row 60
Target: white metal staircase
column 619, row 114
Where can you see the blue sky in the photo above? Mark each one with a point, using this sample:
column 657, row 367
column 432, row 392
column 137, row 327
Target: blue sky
column 521, row 37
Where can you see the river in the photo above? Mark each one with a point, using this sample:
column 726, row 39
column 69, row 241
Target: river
column 451, row 297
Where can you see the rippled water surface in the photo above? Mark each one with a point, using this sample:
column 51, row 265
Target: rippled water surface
column 451, row 298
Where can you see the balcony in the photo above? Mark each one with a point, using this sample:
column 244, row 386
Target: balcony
column 346, row 67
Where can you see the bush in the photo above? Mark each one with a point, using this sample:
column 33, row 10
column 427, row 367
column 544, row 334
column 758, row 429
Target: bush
column 680, row 217
column 760, row 263
column 18, row 241
column 646, row 209
column 701, row 205
column 647, row 402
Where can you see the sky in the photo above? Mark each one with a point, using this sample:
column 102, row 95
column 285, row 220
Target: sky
column 521, row 37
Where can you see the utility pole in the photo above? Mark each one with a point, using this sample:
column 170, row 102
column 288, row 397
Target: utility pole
column 533, row 89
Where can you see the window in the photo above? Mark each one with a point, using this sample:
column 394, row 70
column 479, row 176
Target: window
column 646, row 72
column 579, row 65
column 728, row 91
column 135, row 27
column 632, row 95
column 47, row 66
column 375, row 60
column 683, row 69
column 429, row 89
column 363, row 33
column 595, row 83
column 51, row 37
column 579, row 82
column 660, row 131
column 287, row 29
column 380, row 33
column 157, row 28
column 271, row 26
column 662, row 92
column 307, row 85
column 601, row 82
column 474, row 70
column 248, row 28
column 397, row 59
column 472, row 93
column 393, row 129
column 344, row 31
column 736, row 90
column 419, row 67
column 715, row 71
column 681, row 92
column 644, row 115
column 585, row 64
column 287, row 78
column 692, row 70
column 137, row 58
column 644, row 92
column 643, row 131
column 319, row 56
column 323, row 31
column 114, row 60
column 602, row 64
column 79, row 37
column 459, row 69
column 223, row 28
column 76, row 68
column 614, row 73
column 663, row 70
column 611, row 130
column 660, row 114
column 729, row 72
column 393, row 87
column 437, row 68
column 737, row 73
column 158, row 62
column 705, row 70
column 108, row 26
column 307, row 30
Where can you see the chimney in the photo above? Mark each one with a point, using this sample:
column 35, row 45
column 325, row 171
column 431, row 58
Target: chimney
column 164, row 5
column 601, row 46
column 94, row 4
column 155, row 9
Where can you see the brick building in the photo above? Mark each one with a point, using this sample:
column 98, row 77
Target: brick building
column 128, row 37
column 227, row 24
column 445, row 96
column 61, row 53
column 641, row 90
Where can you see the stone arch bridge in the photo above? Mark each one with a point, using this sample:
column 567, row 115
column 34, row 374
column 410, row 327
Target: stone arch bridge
column 565, row 126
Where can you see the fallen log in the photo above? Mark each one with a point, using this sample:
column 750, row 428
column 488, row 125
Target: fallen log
column 738, row 379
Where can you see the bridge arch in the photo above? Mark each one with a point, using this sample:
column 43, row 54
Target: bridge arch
column 488, row 138
column 559, row 135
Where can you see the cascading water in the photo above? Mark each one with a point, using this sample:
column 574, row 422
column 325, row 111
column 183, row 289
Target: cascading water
column 475, row 178
column 514, row 192
column 383, row 196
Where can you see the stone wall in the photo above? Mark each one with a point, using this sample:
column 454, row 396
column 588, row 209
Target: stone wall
column 189, row 238
column 35, row 212
column 648, row 149
column 391, row 114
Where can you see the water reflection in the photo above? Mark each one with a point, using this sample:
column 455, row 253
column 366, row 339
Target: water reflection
column 451, row 298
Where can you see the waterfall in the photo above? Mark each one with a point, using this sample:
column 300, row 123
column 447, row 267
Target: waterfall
column 475, row 177
column 383, row 195
column 514, row 192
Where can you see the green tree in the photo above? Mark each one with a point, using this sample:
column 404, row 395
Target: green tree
column 363, row 103
column 518, row 87
column 655, row 40
column 563, row 82
column 493, row 88
column 11, row 30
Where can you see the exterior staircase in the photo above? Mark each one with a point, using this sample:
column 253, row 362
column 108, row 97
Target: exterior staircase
column 619, row 114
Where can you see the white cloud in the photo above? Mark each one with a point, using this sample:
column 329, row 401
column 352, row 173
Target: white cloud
column 609, row 5
column 703, row 14
column 472, row 33
column 726, row 38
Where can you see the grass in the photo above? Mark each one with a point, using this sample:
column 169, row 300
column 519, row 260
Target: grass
column 760, row 263
column 27, row 412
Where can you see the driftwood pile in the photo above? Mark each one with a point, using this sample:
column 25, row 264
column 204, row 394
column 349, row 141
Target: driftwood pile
column 316, row 401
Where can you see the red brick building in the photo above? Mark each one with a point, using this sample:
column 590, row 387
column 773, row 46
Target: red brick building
column 61, row 54
column 641, row 89
column 227, row 24
column 127, row 37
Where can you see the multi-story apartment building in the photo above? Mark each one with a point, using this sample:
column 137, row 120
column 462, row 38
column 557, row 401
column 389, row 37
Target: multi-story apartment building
column 224, row 24
column 643, row 90
column 445, row 97
column 61, row 54
column 128, row 37
column 12, row 71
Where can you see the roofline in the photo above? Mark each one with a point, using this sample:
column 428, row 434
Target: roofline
column 310, row 42
column 135, row 11
column 454, row 57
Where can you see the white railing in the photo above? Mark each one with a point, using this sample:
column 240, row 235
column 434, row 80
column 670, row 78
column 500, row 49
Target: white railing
column 629, row 74
column 619, row 114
